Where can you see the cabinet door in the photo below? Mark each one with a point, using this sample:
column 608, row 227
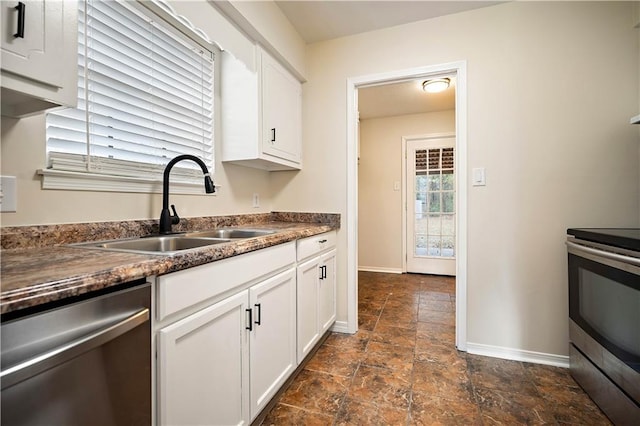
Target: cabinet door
column 203, row 366
column 307, row 296
column 327, row 291
column 273, row 338
column 37, row 54
column 281, row 111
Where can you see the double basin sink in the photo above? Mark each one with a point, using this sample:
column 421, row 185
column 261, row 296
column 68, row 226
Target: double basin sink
column 175, row 243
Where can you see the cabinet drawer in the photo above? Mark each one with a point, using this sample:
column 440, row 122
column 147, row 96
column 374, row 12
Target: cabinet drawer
column 180, row 290
column 317, row 244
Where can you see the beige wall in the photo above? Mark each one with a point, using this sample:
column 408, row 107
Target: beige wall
column 380, row 165
column 557, row 154
column 557, row 148
column 23, row 152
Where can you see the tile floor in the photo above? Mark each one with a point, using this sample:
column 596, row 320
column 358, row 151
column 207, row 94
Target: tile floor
column 402, row 368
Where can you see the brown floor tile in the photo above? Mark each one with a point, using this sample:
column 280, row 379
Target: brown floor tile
column 397, row 358
column 380, row 386
column 369, row 307
column 410, row 322
column 429, row 332
column 438, row 351
column 438, row 317
column 429, row 409
column 436, row 305
column 402, row 367
column 283, row 414
column 367, row 322
column 336, row 360
column 511, row 408
column 394, row 336
column 359, row 413
column 499, row 374
column 357, row 341
column 545, row 375
column 448, row 381
column 578, row 414
column 318, row 392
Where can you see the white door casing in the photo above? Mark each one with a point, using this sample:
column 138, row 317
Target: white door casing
column 459, row 68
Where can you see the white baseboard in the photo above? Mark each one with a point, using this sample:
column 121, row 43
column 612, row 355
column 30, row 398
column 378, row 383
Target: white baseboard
column 518, row 355
column 377, row 269
column 340, row 327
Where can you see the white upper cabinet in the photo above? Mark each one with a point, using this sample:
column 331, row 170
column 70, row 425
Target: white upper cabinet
column 261, row 114
column 39, row 55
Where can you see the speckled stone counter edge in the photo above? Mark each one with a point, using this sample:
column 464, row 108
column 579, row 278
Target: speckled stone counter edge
column 35, row 273
column 24, row 237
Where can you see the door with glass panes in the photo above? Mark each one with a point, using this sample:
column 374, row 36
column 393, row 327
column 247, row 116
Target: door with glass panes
column 431, row 212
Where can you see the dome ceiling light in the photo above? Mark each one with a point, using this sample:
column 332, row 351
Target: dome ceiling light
column 436, row 85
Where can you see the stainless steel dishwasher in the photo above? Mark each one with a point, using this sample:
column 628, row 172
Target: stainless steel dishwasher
column 85, row 363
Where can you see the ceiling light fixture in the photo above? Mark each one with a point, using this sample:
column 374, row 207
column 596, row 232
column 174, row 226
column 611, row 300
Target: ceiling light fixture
column 436, row 85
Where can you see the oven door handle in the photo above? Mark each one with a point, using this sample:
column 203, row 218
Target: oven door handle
column 48, row 360
column 578, row 248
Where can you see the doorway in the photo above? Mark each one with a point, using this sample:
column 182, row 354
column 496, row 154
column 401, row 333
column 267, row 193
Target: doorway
column 429, row 220
column 353, row 84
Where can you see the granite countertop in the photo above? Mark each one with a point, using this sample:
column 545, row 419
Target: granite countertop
column 50, row 270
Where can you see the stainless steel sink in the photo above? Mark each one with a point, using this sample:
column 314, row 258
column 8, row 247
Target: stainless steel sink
column 230, row 233
column 161, row 244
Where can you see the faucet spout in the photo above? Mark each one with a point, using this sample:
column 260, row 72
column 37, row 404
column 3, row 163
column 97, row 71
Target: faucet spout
column 166, row 219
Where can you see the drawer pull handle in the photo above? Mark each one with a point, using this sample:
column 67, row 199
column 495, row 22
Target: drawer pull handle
column 323, row 272
column 259, row 315
column 250, row 326
column 21, row 8
column 322, row 241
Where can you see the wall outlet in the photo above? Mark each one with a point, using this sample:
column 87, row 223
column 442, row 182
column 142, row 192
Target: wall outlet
column 8, row 194
column 256, row 200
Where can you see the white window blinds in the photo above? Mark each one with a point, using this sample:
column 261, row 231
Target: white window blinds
column 145, row 95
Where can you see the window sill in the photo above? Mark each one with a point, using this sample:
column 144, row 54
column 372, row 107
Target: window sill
column 76, row 181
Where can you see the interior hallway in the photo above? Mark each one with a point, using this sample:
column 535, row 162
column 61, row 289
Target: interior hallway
column 402, row 368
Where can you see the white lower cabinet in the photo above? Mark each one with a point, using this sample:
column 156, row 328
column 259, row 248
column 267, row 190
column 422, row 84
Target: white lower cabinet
column 272, row 355
column 203, row 366
column 230, row 333
column 221, row 363
column 316, row 290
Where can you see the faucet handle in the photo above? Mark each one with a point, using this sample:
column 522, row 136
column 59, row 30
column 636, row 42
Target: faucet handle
column 175, row 219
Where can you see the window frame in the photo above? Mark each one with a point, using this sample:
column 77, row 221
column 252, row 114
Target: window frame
column 87, row 181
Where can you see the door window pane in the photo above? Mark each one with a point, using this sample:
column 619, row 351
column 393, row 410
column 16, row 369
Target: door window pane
column 447, row 202
column 434, row 246
column 447, row 180
column 435, row 225
column 434, row 181
column 434, row 202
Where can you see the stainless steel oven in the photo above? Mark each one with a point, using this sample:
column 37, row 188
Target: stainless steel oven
column 83, row 363
column 604, row 318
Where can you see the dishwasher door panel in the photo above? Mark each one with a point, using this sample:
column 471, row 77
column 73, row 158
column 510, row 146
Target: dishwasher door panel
column 102, row 377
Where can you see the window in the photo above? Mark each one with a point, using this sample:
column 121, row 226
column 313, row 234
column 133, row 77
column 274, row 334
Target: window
column 145, row 95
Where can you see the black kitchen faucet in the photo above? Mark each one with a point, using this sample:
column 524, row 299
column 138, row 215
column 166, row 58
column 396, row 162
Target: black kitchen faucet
column 166, row 219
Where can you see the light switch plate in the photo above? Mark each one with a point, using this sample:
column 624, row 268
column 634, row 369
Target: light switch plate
column 478, row 176
column 8, row 194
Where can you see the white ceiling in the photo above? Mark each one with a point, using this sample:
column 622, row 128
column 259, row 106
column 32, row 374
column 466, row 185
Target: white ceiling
column 323, row 20
column 403, row 98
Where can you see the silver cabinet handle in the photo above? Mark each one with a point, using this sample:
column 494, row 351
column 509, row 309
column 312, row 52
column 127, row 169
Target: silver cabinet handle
column 63, row 353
